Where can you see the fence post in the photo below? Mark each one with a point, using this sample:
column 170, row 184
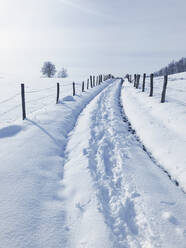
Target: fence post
column 23, row 101
column 91, row 81
column 74, row 90
column 137, row 81
column 144, row 77
column 87, row 84
column 164, row 89
column 97, row 80
column 129, row 79
column 151, row 84
column 57, row 98
column 83, row 87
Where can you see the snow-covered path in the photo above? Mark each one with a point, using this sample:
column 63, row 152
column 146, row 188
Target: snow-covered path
column 113, row 194
column 74, row 176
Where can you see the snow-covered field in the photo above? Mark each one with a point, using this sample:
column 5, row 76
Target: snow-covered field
column 161, row 127
column 73, row 175
column 39, row 93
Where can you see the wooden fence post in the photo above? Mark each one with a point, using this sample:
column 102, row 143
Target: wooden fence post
column 74, row 90
column 143, row 86
column 135, row 77
column 129, row 79
column 23, row 101
column 91, row 82
column 83, row 86
column 97, row 80
column 164, row 89
column 151, row 84
column 137, row 81
column 57, row 98
column 87, row 84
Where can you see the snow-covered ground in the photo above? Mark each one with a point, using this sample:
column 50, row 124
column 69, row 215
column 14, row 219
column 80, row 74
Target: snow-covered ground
column 161, row 127
column 74, row 175
column 31, row 168
column 39, row 94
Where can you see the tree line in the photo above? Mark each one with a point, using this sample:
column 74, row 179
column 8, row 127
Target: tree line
column 172, row 68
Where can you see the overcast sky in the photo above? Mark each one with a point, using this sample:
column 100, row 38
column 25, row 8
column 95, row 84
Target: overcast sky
column 91, row 36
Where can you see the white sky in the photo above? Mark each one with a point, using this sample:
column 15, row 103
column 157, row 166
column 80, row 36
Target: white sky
column 91, row 36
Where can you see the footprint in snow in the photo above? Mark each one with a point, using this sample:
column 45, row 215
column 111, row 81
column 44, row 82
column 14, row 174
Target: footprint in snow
column 135, row 195
column 168, row 216
column 82, row 206
column 167, row 203
column 85, row 152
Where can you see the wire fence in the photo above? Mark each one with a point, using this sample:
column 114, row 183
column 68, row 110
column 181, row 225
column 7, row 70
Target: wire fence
column 29, row 100
column 159, row 87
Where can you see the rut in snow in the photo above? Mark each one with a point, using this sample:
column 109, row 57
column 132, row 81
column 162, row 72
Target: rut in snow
column 130, row 129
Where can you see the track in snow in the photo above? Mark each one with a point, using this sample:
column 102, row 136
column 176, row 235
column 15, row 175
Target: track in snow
column 114, row 196
column 130, row 129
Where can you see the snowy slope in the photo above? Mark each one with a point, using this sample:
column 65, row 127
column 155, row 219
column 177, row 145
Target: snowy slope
column 31, row 167
column 73, row 175
column 161, row 127
column 39, row 94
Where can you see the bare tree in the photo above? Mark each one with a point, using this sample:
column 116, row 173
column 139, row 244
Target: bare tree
column 62, row 73
column 48, row 69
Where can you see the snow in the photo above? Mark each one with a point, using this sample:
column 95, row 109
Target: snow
column 31, row 159
column 39, row 94
column 110, row 178
column 74, row 175
column 161, row 127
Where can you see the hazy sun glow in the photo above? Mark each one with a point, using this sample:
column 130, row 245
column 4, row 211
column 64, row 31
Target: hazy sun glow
column 90, row 36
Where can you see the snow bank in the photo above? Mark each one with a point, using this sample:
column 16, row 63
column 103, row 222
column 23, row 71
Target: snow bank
column 31, row 169
column 161, row 127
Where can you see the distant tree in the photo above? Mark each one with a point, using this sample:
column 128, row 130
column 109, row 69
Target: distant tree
column 48, row 69
column 62, row 73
